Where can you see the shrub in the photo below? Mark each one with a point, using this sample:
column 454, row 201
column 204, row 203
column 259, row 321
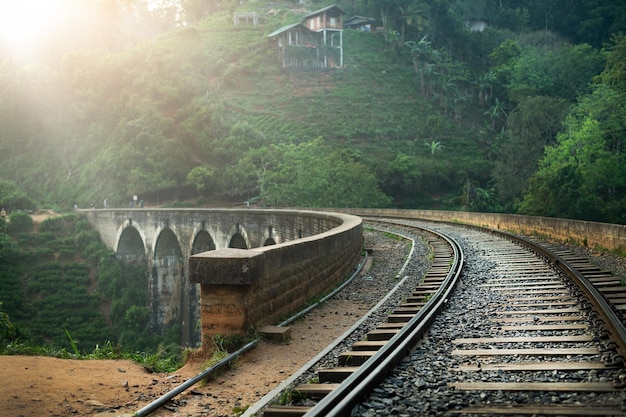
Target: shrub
column 82, row 225
column 12, row 198
column 57, row 224
column 47, row 238
column 20, row 222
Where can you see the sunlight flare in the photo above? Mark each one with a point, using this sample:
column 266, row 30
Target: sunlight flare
column 25, row 24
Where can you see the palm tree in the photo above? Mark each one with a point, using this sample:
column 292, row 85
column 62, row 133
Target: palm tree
column 421, row 52
column 414, row 15
column 434, row 147
column 496, row 111
column 448, row 86
column 483, row 83
column 458, row 101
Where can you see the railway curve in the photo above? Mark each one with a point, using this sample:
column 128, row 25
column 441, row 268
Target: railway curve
column 385, row 345
column 517, row 337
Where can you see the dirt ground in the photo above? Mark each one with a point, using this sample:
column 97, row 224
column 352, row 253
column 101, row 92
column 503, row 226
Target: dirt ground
column 43, row 386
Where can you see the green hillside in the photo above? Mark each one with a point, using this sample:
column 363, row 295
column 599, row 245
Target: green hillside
column 178, row 105
column 424, row 112
column 62, row 292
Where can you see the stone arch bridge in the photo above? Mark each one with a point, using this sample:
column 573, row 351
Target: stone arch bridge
column 248, row 267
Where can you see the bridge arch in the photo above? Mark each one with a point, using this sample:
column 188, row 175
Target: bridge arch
column 202, row 242
column 238, row 238
column 131, row 245
column 269, row 237
column 237, row 241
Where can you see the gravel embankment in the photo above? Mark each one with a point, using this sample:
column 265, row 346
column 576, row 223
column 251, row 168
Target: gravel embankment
column 418, row 386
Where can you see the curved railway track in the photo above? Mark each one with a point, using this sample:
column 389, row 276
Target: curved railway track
column 525, row 334
column 369, row 360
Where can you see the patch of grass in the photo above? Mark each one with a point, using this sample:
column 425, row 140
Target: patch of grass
column 288, row 396
column 393, row 236
column 239, row 410
column 168, row 358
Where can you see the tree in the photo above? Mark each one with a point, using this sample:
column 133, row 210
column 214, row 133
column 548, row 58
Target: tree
column 561, row 70
column 555, row 192
column 584, row 175
column 434, row 147
column 252, row 175
column 138, row 158
column 531, row 127
column 200, row 176
column 496, row 112
column 400, row 179
column 12, row 198
column 313, row 174
column 413, row 15
column 421, row 52
column 614, row 74
column 196, row 10
column 484, row 86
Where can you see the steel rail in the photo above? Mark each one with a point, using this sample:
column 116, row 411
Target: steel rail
column 156, row 404
column 349, row 393
column 608, row 316
column 257, row 407
column 159, row 402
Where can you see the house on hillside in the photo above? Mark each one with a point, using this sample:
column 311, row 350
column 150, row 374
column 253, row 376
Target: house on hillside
column 315, row 42
column 246, row 19
column 359, row 23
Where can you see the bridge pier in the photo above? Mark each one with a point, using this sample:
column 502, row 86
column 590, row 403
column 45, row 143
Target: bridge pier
column 225, row 277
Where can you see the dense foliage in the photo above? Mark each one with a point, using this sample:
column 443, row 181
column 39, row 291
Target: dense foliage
column 59, row 286
column 425, row 113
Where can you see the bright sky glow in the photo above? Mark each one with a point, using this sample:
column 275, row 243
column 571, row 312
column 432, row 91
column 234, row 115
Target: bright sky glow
column 25, row 23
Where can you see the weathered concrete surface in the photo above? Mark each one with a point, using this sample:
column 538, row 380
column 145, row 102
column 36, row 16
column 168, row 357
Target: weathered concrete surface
column 226, row 266
column 592, row 234
column 275, row 281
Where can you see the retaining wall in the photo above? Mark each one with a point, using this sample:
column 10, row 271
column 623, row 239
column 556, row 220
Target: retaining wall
column 595, row 235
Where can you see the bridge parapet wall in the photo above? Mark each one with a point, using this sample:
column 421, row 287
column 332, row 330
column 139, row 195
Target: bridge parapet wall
column 585, row 233
column 242, row 289
column 221, row 224
column 308, row 253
